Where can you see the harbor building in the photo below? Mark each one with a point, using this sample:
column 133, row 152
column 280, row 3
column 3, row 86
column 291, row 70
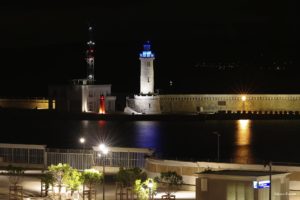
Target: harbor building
column 149, row 102
column 84, row 95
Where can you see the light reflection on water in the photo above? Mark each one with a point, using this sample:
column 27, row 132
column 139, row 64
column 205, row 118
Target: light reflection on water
column 148, row 134
column 241, row 141
column 243, row 153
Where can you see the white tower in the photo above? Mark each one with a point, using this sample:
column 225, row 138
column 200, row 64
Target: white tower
column 147, row 71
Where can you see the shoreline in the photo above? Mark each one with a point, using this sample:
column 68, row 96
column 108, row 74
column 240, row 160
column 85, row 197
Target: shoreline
column 47, row 114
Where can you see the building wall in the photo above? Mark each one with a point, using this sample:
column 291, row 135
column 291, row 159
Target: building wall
column 231, row 188
column 233, row 103
column 148, row 104
column 212, row 103
column 82, row 98
column 25, row 103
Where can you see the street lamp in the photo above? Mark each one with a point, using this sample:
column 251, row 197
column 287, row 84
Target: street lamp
column 270, row 177
column 244, row 98
column 150, row 186
column 82, row 142
column 103, row 152
column 217, row 134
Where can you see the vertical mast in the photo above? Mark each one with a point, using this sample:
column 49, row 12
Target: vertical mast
column 90, row 59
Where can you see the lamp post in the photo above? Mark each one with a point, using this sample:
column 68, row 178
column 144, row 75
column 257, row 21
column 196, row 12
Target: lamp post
column 82, row 142
column 103, row 152
column 270, row 177
column 218, row 135
column 150, row 186
column 243, row 100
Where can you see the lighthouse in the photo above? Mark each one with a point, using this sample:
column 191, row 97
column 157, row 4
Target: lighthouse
column 147, row 71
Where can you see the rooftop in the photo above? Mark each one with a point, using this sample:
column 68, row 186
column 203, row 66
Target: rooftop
column 241, row 173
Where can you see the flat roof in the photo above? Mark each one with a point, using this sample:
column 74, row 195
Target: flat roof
column 241, row 173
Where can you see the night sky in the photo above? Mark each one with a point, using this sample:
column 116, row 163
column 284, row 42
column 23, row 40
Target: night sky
column 202, row 46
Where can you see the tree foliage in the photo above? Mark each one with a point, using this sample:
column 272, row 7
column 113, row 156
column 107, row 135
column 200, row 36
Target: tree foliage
column 170, row 180
column 91, row 177
column 48, row 179
column 15, row 174
column 73, row 179
column 142, row 189
column 128, row 176
column 64, row 174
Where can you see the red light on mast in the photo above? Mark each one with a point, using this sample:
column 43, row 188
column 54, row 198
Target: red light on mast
column 102, row 105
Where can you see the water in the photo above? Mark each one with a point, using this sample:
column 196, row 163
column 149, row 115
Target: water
column 242, row 141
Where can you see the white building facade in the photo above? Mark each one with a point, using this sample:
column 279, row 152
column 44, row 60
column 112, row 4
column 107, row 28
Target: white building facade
column 81, row 98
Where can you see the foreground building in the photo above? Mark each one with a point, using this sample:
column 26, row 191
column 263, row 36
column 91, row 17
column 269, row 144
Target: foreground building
column 241, row 185
column 149, row 102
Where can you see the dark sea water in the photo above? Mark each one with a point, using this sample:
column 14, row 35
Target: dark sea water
column 243, row 141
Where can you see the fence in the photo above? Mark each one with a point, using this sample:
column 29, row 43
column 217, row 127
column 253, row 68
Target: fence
column 38, row 156
column 22, row 155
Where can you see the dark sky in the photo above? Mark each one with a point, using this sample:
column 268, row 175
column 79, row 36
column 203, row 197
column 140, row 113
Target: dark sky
column 45, row 44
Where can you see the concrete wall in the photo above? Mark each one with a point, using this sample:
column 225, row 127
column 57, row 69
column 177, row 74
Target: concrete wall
column 234, row 103
column 147, row 104
column 26, row 103
column 212, row 103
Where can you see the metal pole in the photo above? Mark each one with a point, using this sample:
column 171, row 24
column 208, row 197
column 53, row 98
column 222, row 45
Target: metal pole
column 270, row 189
column 218, row 144
column 218, row 147
column 103, row 177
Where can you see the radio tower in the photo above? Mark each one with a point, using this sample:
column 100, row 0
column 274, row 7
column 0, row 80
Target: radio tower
column 90, row 59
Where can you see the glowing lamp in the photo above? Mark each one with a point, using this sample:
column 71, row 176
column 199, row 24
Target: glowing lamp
column 82, row 140
column 244, row 98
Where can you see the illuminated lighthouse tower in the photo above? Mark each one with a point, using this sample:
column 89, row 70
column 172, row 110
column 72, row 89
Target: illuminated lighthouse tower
column 90, row 59
column 147, row 71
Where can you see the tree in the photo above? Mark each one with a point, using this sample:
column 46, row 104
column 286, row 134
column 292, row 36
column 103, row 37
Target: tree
column 48, row 179
column 15, row 174
column 59, row 174
column 65, row 175
column 170, row 181
column 73, row 179
column 91, row 177
column 142, row 189
column 127, row 177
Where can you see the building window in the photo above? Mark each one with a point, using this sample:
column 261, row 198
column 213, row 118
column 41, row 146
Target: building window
column 221, row 103
column 149, row 105
column 148, row 80
column 148, row 64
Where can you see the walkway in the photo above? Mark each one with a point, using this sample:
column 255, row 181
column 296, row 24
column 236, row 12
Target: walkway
column 32, row 189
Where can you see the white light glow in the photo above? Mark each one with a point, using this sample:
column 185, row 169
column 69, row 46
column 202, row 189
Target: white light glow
column 82, row 140
column 150, row 184
column 102, row 147
column 244, row 98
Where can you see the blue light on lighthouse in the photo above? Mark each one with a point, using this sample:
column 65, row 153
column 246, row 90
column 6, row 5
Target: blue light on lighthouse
column 147, row 53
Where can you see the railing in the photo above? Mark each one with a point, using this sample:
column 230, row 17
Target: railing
column 38, row 156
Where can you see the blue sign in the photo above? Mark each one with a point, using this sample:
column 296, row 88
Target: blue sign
column 261, row 184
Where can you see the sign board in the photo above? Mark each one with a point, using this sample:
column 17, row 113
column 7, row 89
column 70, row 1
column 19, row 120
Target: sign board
column 261, row 184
